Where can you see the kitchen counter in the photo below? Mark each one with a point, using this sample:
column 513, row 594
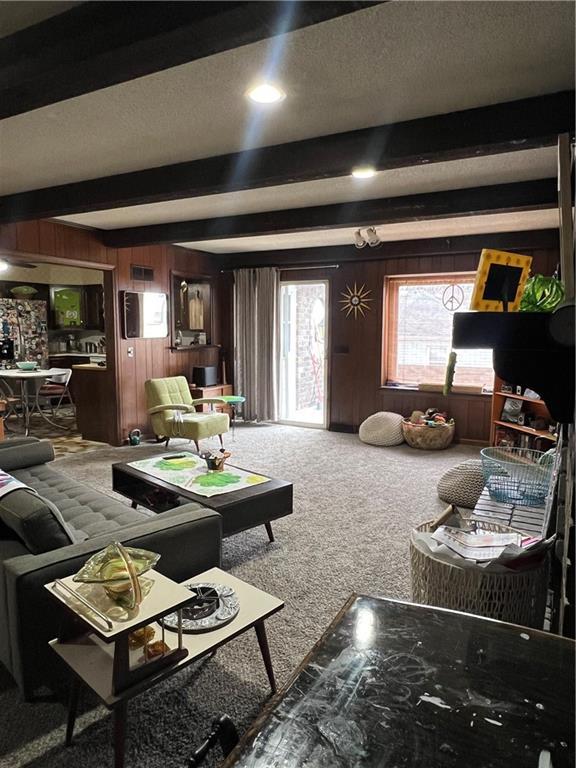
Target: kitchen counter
column 78, row 354
column 88, row 367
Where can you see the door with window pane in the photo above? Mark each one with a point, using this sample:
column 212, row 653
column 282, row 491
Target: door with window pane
column 303, row 350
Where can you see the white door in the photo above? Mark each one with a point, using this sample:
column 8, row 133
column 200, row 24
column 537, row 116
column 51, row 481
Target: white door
column 303, row 352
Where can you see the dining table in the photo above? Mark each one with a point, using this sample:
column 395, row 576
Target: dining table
column 29, row 383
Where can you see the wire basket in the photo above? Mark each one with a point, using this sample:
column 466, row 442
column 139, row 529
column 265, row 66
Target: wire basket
column 517, row 475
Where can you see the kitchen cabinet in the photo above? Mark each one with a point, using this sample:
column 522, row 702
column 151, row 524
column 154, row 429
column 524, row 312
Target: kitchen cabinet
column 94, row 307
column 77, row 307
column 66, row 310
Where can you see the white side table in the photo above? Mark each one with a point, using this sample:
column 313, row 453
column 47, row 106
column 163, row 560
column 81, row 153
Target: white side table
column 91, row 663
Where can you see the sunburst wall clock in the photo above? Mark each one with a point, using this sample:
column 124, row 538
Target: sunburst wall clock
column 355, row 300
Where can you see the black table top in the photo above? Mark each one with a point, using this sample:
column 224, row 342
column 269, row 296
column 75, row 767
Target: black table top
column 216, row 502
column 393, row 684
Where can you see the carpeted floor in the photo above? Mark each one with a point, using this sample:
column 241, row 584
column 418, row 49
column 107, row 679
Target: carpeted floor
column 354, row 506
column 66, row 441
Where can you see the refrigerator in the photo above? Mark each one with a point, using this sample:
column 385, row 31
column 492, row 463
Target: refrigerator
column 24, row 321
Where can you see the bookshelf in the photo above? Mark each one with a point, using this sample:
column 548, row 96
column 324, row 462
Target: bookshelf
column 523, row 435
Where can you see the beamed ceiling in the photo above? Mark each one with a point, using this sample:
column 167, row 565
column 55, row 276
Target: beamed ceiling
column 150, row 138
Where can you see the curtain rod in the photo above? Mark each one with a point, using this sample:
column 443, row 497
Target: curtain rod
column 287, row 269
column 320, row 266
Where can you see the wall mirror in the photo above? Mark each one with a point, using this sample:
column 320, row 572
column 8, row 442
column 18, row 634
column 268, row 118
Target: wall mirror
column 145, row 315
column 192, row 310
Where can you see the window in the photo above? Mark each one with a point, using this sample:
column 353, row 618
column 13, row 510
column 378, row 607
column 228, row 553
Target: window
column 418, row 331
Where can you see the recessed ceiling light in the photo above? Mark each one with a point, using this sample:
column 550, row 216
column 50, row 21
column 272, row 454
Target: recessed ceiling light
column 363, row 171
column 266, row 93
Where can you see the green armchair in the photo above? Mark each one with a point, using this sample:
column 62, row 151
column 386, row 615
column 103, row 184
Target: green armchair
column 173, row 414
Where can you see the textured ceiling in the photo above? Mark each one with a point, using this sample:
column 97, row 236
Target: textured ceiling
column 470, row 225
column 456, row 174
column 16, row 15
column 393, row 62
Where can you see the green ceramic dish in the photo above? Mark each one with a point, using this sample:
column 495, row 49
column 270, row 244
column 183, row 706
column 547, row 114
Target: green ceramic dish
column 23, row 291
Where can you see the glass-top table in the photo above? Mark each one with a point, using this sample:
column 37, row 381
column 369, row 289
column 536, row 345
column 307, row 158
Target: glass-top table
column 412, row 686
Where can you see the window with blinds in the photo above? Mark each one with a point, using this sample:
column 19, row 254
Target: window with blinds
column 418, row 331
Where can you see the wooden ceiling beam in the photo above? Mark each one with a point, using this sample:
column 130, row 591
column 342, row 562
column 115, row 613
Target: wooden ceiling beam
column 525, row 124
column 395, row 249
column 99, row 44
column 527, row 195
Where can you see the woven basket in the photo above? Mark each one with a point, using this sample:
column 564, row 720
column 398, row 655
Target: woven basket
column 428, row 438
column 518, row 597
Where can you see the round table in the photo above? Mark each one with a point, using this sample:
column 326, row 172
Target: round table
column 29, row 401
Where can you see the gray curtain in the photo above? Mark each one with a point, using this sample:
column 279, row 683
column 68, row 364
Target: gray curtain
column 256, row 328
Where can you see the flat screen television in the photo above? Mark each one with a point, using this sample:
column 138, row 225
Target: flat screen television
column 145, row 315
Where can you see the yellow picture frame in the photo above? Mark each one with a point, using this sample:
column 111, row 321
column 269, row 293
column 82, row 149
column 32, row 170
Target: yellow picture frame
column 489, row 259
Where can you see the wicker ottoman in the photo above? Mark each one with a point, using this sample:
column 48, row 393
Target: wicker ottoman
column 382, row 428
column 463, row 484
column 515, row 596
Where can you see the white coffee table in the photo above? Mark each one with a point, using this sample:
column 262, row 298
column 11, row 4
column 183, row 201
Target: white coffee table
column 91, row 663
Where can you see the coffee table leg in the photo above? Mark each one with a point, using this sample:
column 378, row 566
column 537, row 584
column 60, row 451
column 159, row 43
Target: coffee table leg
column 269, row 531
column 72, row 710
column 265, row 651
column 120, row 717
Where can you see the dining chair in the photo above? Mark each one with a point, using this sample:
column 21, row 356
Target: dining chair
column 13, row 402
column 57, row 386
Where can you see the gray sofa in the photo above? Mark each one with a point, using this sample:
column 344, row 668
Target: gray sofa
column 188, row 539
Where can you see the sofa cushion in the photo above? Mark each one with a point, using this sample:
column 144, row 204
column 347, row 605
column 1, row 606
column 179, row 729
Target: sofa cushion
column 12, row 455
column 87, row 512
column 35, row 521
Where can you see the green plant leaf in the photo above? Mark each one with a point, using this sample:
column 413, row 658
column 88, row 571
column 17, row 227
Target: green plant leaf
column 542, row 294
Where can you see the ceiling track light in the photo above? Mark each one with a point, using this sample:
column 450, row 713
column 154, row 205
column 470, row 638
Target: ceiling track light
column 359, row 240
column 372, row 237
column 369, row 237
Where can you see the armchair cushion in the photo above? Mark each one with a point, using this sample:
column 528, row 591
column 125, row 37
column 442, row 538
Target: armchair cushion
column 172, row 411
column 197, row 426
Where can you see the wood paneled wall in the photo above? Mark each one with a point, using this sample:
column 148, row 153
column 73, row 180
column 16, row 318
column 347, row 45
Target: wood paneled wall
column 355, row 365
column 356, row 346
column 123, row 381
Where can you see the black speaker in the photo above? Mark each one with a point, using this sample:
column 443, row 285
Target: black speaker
column 205, row 375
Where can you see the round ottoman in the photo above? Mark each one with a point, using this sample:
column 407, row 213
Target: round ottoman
column 382, row 428
column 463, row 484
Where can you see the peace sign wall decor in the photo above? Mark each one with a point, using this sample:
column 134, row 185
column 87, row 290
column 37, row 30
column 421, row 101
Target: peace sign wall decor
column 453, row 297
